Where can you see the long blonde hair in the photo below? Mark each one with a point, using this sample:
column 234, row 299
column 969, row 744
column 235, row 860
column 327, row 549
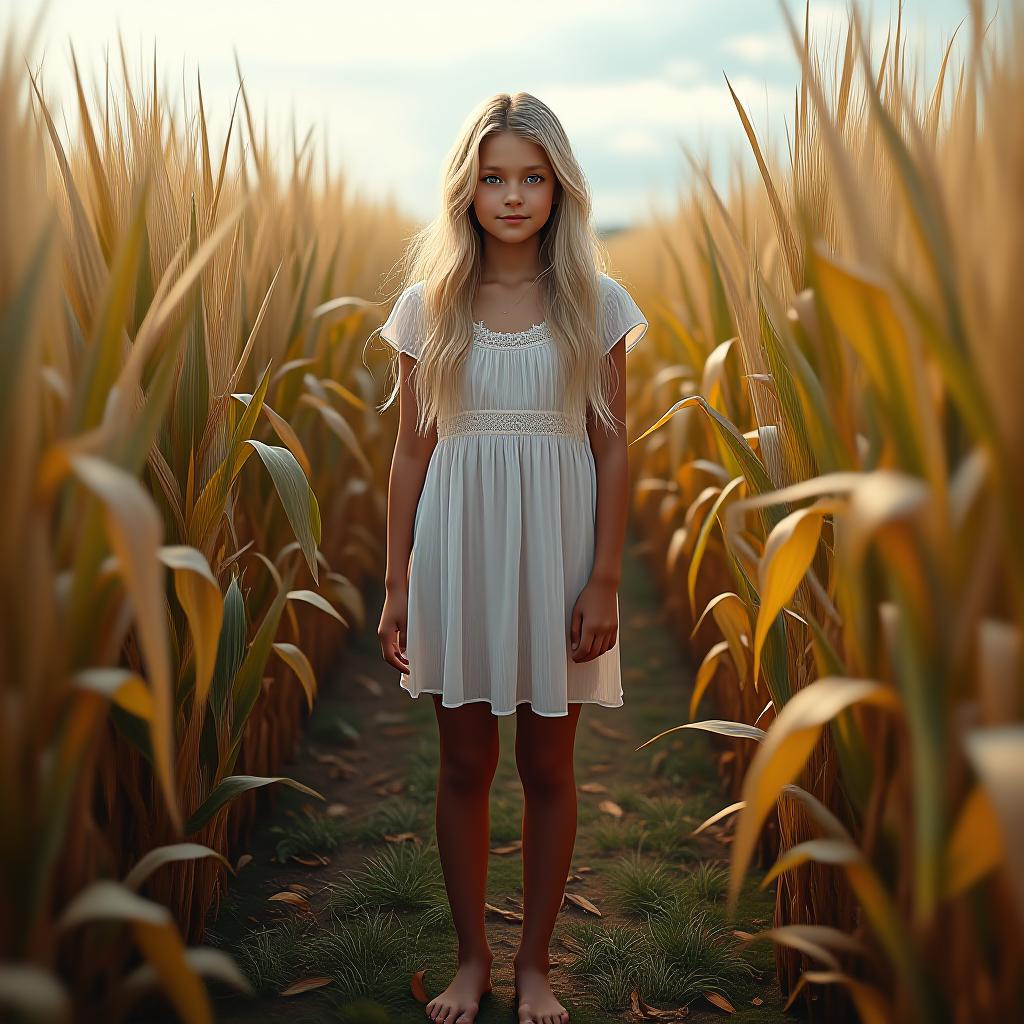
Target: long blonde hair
column 446, row 256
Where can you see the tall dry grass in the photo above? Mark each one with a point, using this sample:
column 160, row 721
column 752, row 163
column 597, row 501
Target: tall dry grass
column 166, row 313
column 832, row 476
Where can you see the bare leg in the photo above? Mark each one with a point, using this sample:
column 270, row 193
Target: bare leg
column 469, row 756
column 544, row 757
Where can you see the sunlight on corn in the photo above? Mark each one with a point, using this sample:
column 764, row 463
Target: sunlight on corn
column 829, row 454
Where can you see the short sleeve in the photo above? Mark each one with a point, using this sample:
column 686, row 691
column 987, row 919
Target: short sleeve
column 403, row 328
column 622, row 316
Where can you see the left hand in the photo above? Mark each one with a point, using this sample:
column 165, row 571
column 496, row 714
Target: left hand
column 595, row 621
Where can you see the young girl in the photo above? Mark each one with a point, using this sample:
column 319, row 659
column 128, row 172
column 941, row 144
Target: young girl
column 507, row 510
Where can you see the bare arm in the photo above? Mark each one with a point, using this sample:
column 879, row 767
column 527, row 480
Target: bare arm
column 594, row 621
column 408, row 470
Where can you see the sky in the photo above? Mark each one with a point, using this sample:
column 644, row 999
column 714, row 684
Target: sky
column 386, row 85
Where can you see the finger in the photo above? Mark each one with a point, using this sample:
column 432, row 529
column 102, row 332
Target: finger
column 585, row 650
column 576, row 628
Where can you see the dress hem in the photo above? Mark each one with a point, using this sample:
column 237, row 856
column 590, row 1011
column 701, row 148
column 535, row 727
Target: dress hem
column 487, row 700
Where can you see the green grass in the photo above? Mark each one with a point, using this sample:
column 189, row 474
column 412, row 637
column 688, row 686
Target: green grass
column 308, row 834
column 676, row 956
column 401, row 877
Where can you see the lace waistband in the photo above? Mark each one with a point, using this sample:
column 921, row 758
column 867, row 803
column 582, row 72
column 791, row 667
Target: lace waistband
column 509, row 421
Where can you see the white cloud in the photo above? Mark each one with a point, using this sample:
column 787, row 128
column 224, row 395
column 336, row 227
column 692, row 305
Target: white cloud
column 636, row 142
column 759, row 47
column 682, row 69
column 588, row 110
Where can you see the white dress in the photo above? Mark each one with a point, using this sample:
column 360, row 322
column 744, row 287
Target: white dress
column 503, row 538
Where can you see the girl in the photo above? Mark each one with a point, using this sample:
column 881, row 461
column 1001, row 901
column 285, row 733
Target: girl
column 507, row 510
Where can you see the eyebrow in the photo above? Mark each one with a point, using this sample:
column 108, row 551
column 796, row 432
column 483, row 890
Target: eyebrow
column 495, row 167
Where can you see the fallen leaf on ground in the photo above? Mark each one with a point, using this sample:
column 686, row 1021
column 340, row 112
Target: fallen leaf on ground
column 593, row 787
column 600, row 768
column 582, row 901
column 509, row 915
column 610, row 807
column 720, row 1001
column 510, row 848
column 242, row 861
column 756, row 1001
column 376, row 780
column 315, row 860
column 337, row 810
column 402, row 837
column 290, row 897
column 648, row 1012
column 302, row 890
column 306, row 985
column 416, row 984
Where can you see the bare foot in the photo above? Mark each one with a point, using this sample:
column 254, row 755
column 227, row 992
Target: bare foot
column 537, row 1003
column 459, row 1002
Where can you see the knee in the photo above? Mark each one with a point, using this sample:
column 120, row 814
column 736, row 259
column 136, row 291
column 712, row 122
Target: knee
column 468, row 769
column 545, row 779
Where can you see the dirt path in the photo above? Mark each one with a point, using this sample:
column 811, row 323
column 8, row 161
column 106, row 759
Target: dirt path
column 373, row 912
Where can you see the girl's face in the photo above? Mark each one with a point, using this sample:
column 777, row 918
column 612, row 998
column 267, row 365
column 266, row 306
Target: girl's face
column 515, row 181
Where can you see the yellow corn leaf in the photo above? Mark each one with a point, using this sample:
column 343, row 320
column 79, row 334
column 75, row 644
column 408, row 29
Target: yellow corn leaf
column 317, row 601
column 815, row 940
column 704, row 534
column 718, row 816
column 122, row 686
column 877, row 906
column 162, row 855
column 162, row 947
column 134, row 531
column 732, row 618
column 695, row 515
column 706, row 673
column 201, row 598
column 297, row 661
column 788, row 553
column 714, row 370
column 975, row 846
column 871, row 1006
column 202, row 960
column 737, row 730
column 786, row 747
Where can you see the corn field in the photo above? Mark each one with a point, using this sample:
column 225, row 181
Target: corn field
column 827, row 457
column 832, row 477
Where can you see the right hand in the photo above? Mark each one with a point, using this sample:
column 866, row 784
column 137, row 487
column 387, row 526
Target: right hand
column 391, row 630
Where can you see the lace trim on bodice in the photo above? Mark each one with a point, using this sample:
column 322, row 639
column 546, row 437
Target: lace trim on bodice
column 510, row 421
column 510, row 339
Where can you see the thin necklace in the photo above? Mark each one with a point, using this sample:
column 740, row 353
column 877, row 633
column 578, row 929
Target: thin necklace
column 505, row 312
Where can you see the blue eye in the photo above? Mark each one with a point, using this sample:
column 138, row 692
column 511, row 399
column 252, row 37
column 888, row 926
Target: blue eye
column 534, row 175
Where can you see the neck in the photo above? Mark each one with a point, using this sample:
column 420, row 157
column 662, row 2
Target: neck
column 505, row 264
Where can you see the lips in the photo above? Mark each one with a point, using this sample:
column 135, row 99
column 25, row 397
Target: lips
column 514, row 218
